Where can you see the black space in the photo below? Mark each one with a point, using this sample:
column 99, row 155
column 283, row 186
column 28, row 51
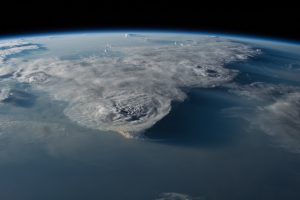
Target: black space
column 48, row 16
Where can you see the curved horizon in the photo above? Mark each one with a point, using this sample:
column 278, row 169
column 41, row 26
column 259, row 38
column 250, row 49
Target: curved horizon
column 152, row 31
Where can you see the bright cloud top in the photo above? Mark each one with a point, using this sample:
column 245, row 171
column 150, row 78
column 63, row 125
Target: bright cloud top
column 131, row 93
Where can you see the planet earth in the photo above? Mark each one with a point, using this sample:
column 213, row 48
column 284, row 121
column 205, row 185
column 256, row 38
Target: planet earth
column 149, row 116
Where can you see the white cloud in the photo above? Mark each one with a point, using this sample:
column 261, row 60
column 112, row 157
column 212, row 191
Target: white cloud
column 8, row 48
column 131, row 93
column 281, row 119
column 5, row 70
column 4, row 93
column 12, row 43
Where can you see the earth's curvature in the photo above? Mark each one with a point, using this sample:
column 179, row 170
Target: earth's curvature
column 149, row 115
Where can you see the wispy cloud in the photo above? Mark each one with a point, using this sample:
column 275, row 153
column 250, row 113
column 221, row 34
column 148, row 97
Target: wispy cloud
column 277, row 114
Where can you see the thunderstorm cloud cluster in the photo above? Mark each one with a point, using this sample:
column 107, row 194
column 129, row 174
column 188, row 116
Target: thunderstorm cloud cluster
column 129, row 93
